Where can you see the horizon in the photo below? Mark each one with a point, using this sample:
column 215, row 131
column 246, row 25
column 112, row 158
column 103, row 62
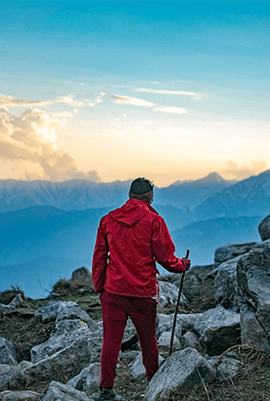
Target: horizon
column 111, row 90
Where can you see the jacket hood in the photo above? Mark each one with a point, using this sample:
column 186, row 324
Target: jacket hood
column 132, row 212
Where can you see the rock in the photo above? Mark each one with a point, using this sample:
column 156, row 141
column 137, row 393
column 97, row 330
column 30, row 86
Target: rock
column 198, row 287
column 225, row 287
column 17, row 301
column 227, row 369
column 219, row 329
column 11, row 378
column 190, row 340
column 50, row 311
column 24, row 365
column 165, row 323
column 231, row 251
column 71, row 311
column 168, row 295
column 129, row 356
column 253, row 277
column 264, row 228
column 62, row 392
column 180, row 370
column 138, row 370
column 164, row 340
column 65, row 332
column 130, row 338
column 8, row 355
column 66, row 363
column 19, row 396
column 84, row 276
column 7, row 310
column 88, row 379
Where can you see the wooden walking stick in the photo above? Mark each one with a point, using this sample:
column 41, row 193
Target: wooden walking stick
column 176, row 309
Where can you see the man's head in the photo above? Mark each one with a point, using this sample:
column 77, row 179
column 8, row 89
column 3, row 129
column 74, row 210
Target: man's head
column 142, row 189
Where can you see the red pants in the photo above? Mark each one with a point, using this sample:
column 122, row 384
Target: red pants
column 115, row 312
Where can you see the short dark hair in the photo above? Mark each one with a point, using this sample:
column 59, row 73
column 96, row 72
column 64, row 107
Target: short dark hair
column 141, row 185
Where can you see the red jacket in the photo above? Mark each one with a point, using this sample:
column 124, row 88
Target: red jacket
column 130, row 240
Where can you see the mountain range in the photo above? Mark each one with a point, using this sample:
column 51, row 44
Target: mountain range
column 52, row 236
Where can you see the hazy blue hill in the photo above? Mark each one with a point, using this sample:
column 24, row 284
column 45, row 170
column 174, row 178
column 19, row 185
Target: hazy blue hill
column 36, row 277
column 203, row 237
column 249, row 197
column 191, row 193
column 82, row 194
column 41, row 231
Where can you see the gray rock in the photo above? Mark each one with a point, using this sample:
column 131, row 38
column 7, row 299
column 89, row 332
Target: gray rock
column 219, row 329
column 227, row 369
column 19, row 396
column 231, row 251
column 11, row 378
column 7, row 310
column 168, row 295
column 88, row 379
column 180, row 370
column 225, row 287
column 71, row 311
column 264, row 228
column 190, row 340
column 84, row 276
column 50, row 311
column 62, row 392
column 65, row 332
column 17, row 301
column 130, row 338
column 66, row 363
column 253, row 277
column 129, row 356
column 138, row 370
column 24, row 365
column 8, row 355
column 165, row 323
column 164, row 340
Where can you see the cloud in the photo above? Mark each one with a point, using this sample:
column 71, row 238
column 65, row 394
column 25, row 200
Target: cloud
column 10, row 101
column 171, row 109
column 169, row 92
column 241, row 172
column 30, row 141
column 119, row 99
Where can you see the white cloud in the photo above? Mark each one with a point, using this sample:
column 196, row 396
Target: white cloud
column 120, row 99
column 240, row 172
column 169, row 92
column 171, row 109
column 10, row 101
column 30, row 141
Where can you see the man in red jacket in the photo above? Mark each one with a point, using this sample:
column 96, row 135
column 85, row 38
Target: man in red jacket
column 130, row 240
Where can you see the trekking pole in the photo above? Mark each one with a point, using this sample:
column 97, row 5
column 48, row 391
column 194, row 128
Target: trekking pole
column 176, row 309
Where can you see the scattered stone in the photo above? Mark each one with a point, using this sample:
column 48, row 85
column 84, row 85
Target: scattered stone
column 88, row 379
column 138, row 370
column 11, row 378
column 231, row 251
column 62, row 392
column 185, row 369
column 8, row 355
column 253, row 277
column 227, row 369
column 168, row 295
column 17, row 301
column 7, row 310
column 129, row 356
column 71, row 311
column 19, row 396
column 50, row 311
column 24, row 365
column 190, row 339
column 264, row 228
column 164, row 340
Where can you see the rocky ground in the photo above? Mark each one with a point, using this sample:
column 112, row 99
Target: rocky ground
column 25, row 332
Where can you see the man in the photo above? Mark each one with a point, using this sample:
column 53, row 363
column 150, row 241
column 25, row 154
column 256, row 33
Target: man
column 130, row 240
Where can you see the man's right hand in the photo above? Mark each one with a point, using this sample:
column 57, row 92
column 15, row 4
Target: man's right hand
column 187, row 263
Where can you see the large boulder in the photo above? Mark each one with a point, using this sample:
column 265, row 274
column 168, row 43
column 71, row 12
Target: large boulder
column 253, row 277
column 225, row 287
column 219, row 329
column 264, row 228
column 185, row 370
column 138, row 370
column 64, row 334
column 67, row 362
column 231, row 251
column 8, row 355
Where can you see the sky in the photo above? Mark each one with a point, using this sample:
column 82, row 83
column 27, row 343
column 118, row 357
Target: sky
column 107, row 90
